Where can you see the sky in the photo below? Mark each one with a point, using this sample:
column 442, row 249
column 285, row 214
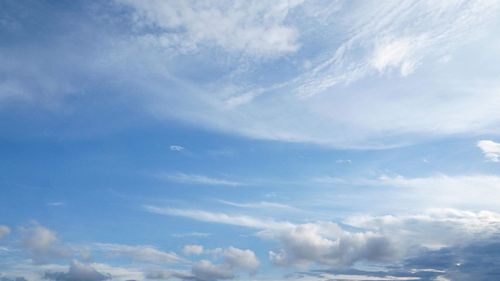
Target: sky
column 249, row 140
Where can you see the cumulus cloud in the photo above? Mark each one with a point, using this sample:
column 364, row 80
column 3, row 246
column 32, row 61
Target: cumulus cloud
column 4, row 231
column 77, row 272
column 435, row 228
column 326, row 243
column 234, row 261
column 140, row 253
column 43, row 244
column 382, row 239
column 490, row 149
column 189, row 250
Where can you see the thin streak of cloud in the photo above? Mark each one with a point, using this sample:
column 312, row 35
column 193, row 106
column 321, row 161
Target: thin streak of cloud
column 198, row 179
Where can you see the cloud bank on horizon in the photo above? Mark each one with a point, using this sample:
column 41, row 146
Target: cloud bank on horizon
column 249, row 140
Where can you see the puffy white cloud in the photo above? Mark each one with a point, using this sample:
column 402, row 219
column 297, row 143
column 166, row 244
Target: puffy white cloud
column 4, row 231
column 42, row 243
column 234, row 261
column 238, row 258
column 326, row 243
column 205, row 270
column 369, row 239
column 435, row 228
column 140, row 253
column 78, row 272
column 189, row 250
column 491, row 150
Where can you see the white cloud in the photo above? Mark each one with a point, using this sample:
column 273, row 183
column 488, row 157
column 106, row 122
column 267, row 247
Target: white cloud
column 238, row 258
column 198, row 179
column 189, row 250
column 381, row 239
column 234, row 261
column 228, row 61
column 478, row 191
column 252, row 27
column 4, row 231
column 490, row 149
column 43, row 244
column 326, row 243
column 176, row 148
column 140, row 253
column 475, row 191
column 56, row 204
column 240, row 220
column 77, row 272
column 396, row 54
column 435, row 228
column 192, row 234
column 257, row 205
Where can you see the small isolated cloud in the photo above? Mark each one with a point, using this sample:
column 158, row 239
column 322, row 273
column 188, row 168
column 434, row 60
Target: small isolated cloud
column 77, row 272
column 396, row 54
column 199, row 179
column 4, row 231
column 176, row 148
column 56, row 204
column 43, row 244
column 189, row 250
column 490, row 149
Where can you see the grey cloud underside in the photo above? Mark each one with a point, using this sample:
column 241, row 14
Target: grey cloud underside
column 77, row 272
column 475, row 261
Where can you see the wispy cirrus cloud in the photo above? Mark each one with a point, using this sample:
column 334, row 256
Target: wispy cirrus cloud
column 198, row 179
column 257, row 205
column 140, row 253
column 346, row 91
column 239, row 220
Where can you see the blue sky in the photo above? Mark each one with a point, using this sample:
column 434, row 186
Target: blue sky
column 249, row 140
